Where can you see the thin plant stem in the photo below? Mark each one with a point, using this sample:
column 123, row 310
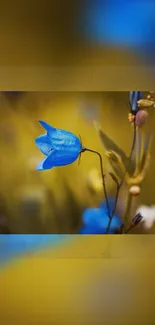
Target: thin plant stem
column 137, row 152
column 121, row 228
column 129, row 200
column 130, row 228
column 134, row 141
column 114, row 209
column 119, row 185
column 103, row 177
column 127, row 212
column 132, row 150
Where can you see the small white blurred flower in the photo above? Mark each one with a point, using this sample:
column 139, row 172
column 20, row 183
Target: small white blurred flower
column 148, row 214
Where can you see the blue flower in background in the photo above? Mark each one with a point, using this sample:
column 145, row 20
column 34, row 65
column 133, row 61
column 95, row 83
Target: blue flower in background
column 135, row 96
column 61, row 147
column 120, row 23
column 95, row 220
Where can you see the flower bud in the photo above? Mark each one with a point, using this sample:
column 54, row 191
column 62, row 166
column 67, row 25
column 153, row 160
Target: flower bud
column 141, row 118
column 135, row 190
column 137, row 219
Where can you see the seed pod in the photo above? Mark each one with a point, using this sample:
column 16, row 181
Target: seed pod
column 141, row 118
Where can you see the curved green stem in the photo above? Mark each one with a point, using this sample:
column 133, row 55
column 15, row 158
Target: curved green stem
column 103, row 177
column 119, row 185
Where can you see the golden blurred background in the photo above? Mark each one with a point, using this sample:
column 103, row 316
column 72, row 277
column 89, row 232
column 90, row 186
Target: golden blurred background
column 53, row 201
column 41, row 290
column 92, row 279
column 44, row 34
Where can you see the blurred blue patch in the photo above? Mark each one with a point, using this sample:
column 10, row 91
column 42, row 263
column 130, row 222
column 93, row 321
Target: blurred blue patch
column 95, row 220
column 15, row 245
column 120, row 23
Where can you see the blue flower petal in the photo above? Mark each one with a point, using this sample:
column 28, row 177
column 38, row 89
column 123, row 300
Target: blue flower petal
column 61, row 139
column 47, row 126
column 44, row 144
column 64, row 140
column 58, row 158
column 40, row 165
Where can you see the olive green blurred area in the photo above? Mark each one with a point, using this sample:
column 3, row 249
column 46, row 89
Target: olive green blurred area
column 43, row 47
column 53, row 201
column 47, row 33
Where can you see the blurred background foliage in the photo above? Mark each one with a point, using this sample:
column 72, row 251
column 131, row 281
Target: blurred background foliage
column 76, row 32
column 52, row 201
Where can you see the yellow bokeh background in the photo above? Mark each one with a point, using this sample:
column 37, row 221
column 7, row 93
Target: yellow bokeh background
column 61, row 201
column 80, row 282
